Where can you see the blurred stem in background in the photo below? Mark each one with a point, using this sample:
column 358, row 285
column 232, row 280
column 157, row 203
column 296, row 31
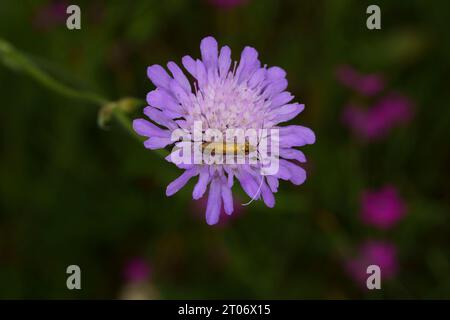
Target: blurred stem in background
column 19, row 62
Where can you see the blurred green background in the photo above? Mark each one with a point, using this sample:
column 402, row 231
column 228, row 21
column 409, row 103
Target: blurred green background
column 73, row 193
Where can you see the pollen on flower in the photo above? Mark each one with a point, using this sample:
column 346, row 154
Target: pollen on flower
column 226, row 96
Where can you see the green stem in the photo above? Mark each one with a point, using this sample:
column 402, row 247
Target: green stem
column 125, row 122
column 15, row 60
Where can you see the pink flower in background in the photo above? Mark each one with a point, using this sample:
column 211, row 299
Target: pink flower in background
column 382, row 254
column 376, row 121
column 382, row 208
column 137, row 286
column 227, row 3
column 50, row 15
column 367, row 85
column 136, row 270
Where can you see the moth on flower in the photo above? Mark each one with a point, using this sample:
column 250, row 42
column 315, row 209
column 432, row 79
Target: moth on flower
column 225, row 98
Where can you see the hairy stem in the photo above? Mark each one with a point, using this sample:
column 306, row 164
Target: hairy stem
column 17, row 61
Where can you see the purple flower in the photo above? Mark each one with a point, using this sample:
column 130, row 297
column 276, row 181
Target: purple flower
column 382, row 208
column 227, row 4
column 137, row 286
column 136, row 270
column 367, row 85
column 225, row 95
column 51, row 15
column 200, row 206
column 382, row 254
column 376, row 122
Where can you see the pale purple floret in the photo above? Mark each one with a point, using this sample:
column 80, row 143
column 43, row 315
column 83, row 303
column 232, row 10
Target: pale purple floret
column 225, row 95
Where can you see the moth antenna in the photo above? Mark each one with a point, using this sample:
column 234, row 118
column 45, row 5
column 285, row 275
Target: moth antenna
column 262, row 177
column 256, row 193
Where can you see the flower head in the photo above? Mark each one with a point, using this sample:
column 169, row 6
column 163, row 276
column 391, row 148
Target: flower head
column 51, row 15
column 227, row 3
column 376, row 122
column 382, row 208
column 225, row 98
column 367, row 85
column 137, row 285
column 382, row 254
column 136, row 270
column 198, row 207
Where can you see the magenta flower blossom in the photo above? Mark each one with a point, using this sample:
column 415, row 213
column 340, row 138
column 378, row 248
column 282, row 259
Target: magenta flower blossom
column 136, row 270
column 382, row 208
column 227, row 3
column 200, row 206
column 376, row 122
column 225, row 95
column 367, row 85
column 51, row 15
column 378, row 253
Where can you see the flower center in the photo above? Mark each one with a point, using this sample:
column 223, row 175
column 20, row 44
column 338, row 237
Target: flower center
column 223, row 104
